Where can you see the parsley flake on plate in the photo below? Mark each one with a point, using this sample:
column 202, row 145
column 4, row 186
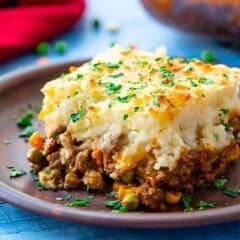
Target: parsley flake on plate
column 26, row 132
column 14, row 172
column 25, row 120
column 220, row 183
column 231, row 193
column 186, row 201
column 204, row 205
column 115, row 205
column 80, row 202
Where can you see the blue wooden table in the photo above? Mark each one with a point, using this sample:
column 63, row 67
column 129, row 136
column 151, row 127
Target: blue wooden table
column 136, row 27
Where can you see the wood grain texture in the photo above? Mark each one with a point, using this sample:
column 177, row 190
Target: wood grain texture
column 138, row 28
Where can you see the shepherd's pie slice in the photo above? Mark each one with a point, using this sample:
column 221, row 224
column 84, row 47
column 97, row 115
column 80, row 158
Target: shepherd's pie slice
column 153, row 126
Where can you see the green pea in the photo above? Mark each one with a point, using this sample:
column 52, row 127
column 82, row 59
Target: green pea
column 131, row 201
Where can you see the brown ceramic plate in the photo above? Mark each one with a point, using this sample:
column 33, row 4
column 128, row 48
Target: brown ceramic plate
column 21, row 90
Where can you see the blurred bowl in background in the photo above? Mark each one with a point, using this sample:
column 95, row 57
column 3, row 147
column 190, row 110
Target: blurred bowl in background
column 217, row 18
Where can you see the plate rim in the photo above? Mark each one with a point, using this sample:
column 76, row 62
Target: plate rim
column 81, row 215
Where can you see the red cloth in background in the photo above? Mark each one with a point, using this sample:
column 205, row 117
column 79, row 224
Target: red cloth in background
column 23, row 26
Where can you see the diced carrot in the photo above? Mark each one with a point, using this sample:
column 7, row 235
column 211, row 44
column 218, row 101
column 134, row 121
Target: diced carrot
column 36, row 140
column 98, row 156
column 121, row 192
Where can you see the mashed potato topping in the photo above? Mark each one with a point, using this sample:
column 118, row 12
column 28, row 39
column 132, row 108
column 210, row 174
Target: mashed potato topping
column 165, row 106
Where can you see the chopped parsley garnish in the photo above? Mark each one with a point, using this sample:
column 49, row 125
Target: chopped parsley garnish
column 76, row 116
column 136, row 108
column 96, row 24
column 223, row 111
column 25, row 120
column 27, row 132
column 79, row 76
column 60, row 47
column 116, row 75
column 32, row 171
column 112, row 44
column 203, row 205
column 97, row 67
column 186, row 201
column 207, row 56
column 66, row 197
column 226, row 76
column 228, row 126
column 194, row 84
column 220, row 183
column 125, row 116
column 80, row 202
column 205, row 81
column 165, row 72
column 231, row 193
column 125, row 99
column 157, row 59
column 41, row 187
column 112, row 88
column 113, row 65
column 115, row 205
column 14, row 172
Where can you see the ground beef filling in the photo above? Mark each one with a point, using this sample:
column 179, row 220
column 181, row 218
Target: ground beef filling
column 64, row 163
